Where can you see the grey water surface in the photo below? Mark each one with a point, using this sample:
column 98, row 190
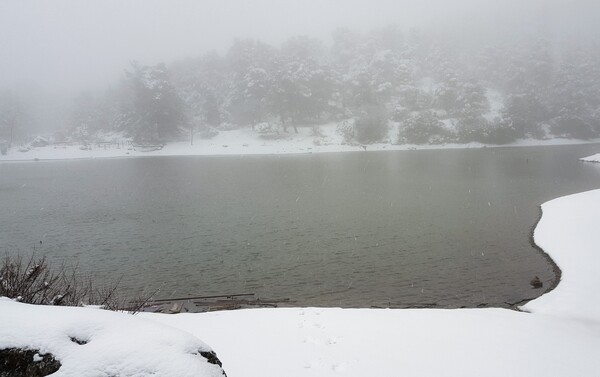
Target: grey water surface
column 445, row 228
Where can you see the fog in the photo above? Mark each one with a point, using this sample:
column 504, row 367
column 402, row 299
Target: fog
column 75, row 44
column 51, row 52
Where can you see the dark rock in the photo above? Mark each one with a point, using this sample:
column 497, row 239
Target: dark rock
column 81, row 342
column 212, row 358
column 15, row 362
column 536, row 283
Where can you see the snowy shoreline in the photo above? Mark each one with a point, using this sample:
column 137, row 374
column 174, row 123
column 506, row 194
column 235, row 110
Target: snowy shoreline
column 593, row 158
column 557, row 334
column 247, row 142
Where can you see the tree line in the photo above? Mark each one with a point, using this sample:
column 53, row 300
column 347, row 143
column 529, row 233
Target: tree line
column 385, row 85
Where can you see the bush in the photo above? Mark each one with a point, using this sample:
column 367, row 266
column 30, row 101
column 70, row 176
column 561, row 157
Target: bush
column 502, row 132
column 371, row 126
column 32, row 281
column 346, row 129
column 422, row 128
column 473, row 129
column 207, row 133
column 268, row 131
column 573, row 127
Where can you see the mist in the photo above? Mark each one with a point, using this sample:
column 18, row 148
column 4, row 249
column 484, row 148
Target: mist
column 75, row 45
column 52, row 52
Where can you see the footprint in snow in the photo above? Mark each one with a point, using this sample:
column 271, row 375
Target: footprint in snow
column 310, row 340
column 339, row 368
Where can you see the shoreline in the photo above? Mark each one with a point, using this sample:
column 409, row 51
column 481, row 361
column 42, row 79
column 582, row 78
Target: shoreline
column 555, row 268
column 245, row 142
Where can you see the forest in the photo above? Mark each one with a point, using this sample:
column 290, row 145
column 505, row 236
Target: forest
column 385, row 85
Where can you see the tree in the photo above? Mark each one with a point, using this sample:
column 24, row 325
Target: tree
column 202, row 84
column 251, row 65
column 422, row 128
column 302, row 84
column 157, row 110
column 91, row 114
column 12, row 116
column 526, row 113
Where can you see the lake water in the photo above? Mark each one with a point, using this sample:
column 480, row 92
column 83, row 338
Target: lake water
column 446, row 228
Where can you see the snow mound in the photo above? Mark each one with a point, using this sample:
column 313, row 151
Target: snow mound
column 92, row 342
column 568, row 232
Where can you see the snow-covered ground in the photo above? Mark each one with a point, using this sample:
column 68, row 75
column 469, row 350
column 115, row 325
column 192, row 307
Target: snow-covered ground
column 593, row 158
column 558, row 335
column 246, row 142
column 117, row 344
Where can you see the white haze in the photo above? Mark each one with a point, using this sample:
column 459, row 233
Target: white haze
column 65, row 46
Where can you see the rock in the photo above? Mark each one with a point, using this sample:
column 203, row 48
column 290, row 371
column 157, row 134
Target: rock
column 15, row 362
column 211, row 358
column 39, row 141
column 536, row 283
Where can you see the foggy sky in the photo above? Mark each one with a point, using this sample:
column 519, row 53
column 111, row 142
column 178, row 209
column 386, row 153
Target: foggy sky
column 68, row 45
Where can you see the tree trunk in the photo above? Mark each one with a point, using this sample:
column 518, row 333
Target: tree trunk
column 283, row 123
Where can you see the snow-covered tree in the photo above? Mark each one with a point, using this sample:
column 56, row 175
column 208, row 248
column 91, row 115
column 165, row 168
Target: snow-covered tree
column 302, row 84
column 12, row 116
column 157, row 111
column 251, row 63
column 422, row 128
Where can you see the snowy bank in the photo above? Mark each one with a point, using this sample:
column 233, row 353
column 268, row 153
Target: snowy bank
column 593, row 158
column 116, row 344
column 248, row 142
column 560, row 337
column 568, row 232
column 395, row 342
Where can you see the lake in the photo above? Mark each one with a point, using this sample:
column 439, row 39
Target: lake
column 440, row 228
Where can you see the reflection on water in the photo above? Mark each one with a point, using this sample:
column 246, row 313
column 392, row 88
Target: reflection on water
column 446, row 228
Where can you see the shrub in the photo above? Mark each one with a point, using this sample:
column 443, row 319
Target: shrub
column 267, row 130
column 422, row 128
column 207, row 133
column 502, row 132
column 472, row 129
column 346, row 129
column 573, row 127
column 32, row 281
column 371, row 126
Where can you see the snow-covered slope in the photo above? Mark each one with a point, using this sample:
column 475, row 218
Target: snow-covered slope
column 118, row 344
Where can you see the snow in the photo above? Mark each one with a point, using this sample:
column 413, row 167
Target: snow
column 593, row 158
column 119, row 344
column 415, row 342
column 557, row 334
column 570, row 236
column 246, row 141
column 496, row 101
